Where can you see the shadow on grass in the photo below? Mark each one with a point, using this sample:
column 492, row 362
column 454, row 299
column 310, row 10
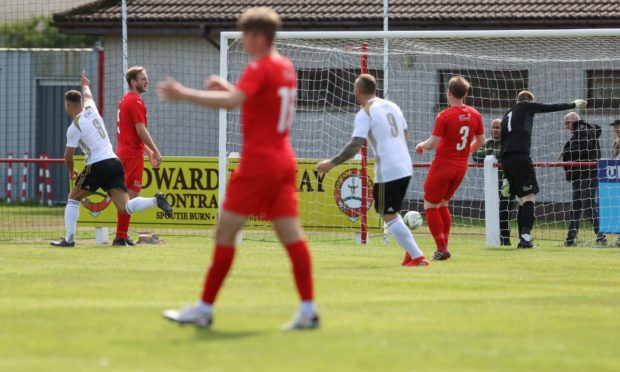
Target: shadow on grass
column 220, row 335
column 502, row 249
column 356, row 267
column 95, row 247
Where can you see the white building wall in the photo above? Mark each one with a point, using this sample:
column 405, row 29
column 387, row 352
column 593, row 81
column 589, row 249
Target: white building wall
column 178, row 129
column 321, row 132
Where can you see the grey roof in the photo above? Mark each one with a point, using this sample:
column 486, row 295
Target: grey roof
column 410, row 14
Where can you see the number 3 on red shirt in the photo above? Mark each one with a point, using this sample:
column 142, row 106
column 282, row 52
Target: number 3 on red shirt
column 465, row 132
column 287, row 108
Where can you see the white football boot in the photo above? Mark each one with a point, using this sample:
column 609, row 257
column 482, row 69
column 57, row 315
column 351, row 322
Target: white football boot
column 192, row 314
column 302, row 322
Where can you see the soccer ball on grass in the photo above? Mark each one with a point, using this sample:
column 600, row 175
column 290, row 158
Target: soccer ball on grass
column 413, row 219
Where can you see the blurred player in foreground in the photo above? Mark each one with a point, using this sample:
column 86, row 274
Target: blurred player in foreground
column 103, row 169
column 134, row 140
column 458, row 130
column 264, row 183
column 383, row 123
column 517, row 127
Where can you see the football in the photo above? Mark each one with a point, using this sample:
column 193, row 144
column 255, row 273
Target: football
column 413, row 219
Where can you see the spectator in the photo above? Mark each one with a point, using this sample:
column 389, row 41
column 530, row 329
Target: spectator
column 615, row 147
column 493, row 146
column 583, row 146
column 615, row 151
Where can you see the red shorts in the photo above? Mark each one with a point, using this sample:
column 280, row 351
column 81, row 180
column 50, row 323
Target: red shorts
column 134, row 167
column 268, row 195
column 442, row 181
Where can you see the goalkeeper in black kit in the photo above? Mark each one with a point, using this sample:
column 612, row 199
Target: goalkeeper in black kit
column 517, row 127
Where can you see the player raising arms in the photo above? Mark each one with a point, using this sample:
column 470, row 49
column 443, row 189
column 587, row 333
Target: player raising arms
column 264, row 183
column 458, row 130
column 383, row 123
column 103, row 169
column 134, row 140
column 517, row 126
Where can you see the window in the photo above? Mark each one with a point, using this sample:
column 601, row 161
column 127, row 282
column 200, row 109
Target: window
column 603, row 88
column 489, row 88
column 330, row 88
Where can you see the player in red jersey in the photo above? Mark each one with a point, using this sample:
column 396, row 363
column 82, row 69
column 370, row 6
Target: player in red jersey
column 458, row 130
column 264, row 183
column 134, row 140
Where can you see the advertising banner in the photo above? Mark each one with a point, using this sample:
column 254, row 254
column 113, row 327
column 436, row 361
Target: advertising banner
column 329, row 202
column 609, row 195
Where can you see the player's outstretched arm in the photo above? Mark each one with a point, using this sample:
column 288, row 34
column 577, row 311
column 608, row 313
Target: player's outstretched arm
column 218, row 83
column 479, row 141
column 428, row 145
column 347, row 153
column 85, row 83
column 172, row 90
column 553, row 107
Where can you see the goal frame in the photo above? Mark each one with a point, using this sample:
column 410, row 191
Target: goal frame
column 491, row 219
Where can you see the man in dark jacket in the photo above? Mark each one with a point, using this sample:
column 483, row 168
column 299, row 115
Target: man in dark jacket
column 583, row 146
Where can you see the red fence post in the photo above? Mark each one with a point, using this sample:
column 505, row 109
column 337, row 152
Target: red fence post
column 101, row 80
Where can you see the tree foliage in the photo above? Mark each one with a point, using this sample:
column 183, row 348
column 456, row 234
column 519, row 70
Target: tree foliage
column 38, row 32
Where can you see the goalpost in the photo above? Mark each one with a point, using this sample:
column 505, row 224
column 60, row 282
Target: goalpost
column 557, row 65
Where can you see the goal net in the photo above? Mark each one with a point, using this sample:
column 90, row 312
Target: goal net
column 45, row 45
column 413, row 69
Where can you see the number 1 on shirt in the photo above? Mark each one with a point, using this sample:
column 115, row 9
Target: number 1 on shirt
column 287, row 108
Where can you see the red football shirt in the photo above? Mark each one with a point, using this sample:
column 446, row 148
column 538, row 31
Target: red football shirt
column 457, row 127
column 131, row 110
column 270, row 85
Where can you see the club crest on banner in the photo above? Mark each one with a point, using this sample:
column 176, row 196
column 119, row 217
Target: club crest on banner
column 348, row 193
column 95, row 208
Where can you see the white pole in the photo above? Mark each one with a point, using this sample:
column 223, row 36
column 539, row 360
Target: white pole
column 386, row 58
column 386, row 21
column 124, row 37
column 491, row 201
column 563, row 33
column 223, row 125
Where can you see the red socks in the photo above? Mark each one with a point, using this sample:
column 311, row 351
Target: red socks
column 302, row 268
column 444, row 212
column 122, row 226
column 439, row 221
column 436, row 225
column 223, row 257
column 222, row 261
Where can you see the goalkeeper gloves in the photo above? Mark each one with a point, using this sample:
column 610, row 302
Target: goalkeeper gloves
column 505, row 191
column 580, row 103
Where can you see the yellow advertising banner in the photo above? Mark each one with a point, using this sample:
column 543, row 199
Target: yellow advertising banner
column 329, row 202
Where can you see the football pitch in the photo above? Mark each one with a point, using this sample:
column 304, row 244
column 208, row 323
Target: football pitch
column 92, row 307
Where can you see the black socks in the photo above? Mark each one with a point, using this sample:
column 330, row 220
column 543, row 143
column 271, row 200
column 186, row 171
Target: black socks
column 526, row 218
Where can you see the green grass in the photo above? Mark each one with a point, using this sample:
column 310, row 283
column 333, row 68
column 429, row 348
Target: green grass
column 92, row 308
column 34, row 223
